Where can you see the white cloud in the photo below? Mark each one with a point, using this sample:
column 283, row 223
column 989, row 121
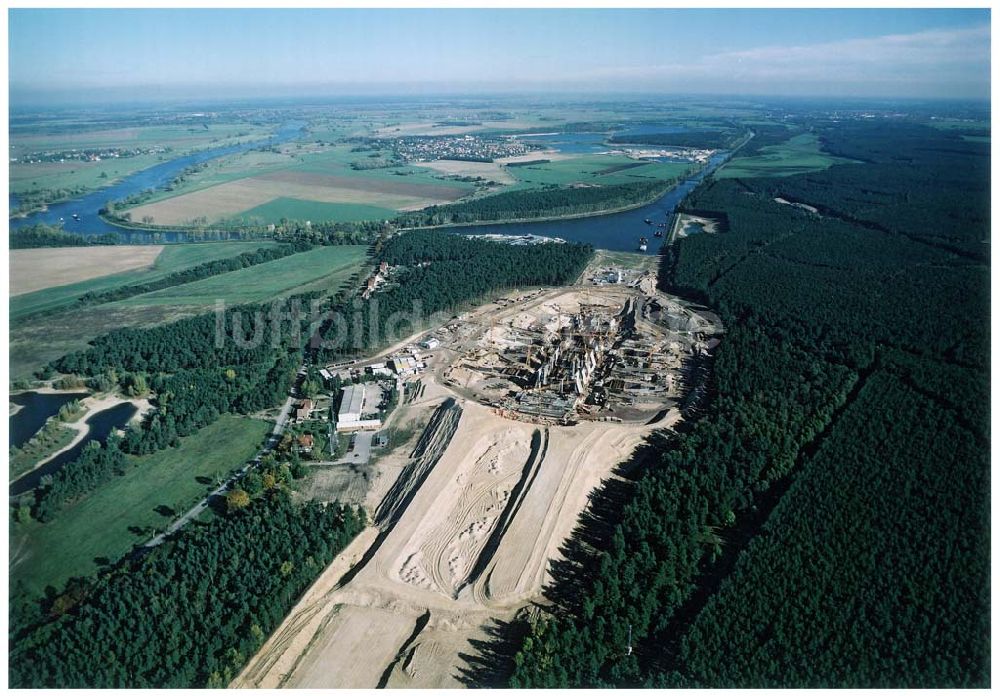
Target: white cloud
column 938, row 59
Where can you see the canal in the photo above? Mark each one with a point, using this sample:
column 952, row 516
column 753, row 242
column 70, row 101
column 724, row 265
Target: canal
column 615, row 232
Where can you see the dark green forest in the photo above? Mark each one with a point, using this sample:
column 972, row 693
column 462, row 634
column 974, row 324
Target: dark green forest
column 440, row 271
column 186, row 615
column 826, row 521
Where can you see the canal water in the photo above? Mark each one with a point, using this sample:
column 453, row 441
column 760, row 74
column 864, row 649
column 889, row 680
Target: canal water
column 87, row 207
column 615, row 232
column 36, row 408
column 100, row 426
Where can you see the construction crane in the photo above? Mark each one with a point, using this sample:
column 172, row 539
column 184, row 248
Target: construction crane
column 628, row 648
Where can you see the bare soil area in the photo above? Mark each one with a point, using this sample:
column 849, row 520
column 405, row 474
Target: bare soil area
column 37, row 269
column 468, row 517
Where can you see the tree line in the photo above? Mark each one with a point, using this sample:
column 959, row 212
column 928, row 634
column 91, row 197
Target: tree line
column 536, row 203
column 41, row 235
column 437, row 271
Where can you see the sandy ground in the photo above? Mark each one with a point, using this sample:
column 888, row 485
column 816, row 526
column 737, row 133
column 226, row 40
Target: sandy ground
column 431, row 582
column 469, row 516
column 37, row 269
column 710, row 225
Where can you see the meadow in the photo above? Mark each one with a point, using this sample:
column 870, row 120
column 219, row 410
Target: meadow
column 171, row 258
column 596, row 169
column 123, row 512
column 298, row 209
column 799, row 155
column 94, row 175
column 252, row 185
column 321, row 267
column 34, row 341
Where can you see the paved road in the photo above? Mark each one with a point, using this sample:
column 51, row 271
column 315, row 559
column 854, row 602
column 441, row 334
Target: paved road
column 272, row 440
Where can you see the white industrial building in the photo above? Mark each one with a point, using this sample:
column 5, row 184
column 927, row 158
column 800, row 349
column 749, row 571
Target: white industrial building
column 352, row 407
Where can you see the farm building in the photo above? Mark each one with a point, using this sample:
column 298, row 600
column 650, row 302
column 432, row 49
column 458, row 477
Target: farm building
column 305, row 442
column 303, row 409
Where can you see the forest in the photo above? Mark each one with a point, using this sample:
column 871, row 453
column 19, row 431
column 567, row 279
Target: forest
column 441, row 272
column 826, row 521
column 188, row 614
column 536, row 203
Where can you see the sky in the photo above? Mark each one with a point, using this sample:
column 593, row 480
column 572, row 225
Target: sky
column 297, row 52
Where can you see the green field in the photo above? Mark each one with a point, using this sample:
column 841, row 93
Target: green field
column 324, row 267
column 799, row 155
column 95, row 175
column 297, row 209
column 99, row 525
column 597, row 169
column 173, row 258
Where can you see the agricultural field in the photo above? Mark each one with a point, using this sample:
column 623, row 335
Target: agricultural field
column 64, row 279
column 298, row 209
column 251, row 186
column 122, row 512
column 799, row 155
column 32, row 270
column 36, row 341
column 92, row 175
column 597, row 169
column 322, row 267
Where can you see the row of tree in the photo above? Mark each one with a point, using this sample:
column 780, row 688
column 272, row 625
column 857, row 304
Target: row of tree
column 536, row 203
column 41, row 235
column 199, row 272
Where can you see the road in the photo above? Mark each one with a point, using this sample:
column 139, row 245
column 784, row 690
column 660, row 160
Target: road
column 272, row 440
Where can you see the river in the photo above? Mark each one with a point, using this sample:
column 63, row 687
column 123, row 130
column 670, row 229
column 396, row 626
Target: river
column 616, row 232
column 100, row 426
column 88, row 206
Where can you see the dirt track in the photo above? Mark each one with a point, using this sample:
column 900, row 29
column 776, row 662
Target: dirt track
column 471, row 543
column 468, row 518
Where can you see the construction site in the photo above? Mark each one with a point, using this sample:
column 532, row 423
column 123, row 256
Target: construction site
column 522, row 408
column 615, row 352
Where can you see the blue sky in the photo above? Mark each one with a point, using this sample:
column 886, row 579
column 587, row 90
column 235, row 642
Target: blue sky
column 919, row 53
